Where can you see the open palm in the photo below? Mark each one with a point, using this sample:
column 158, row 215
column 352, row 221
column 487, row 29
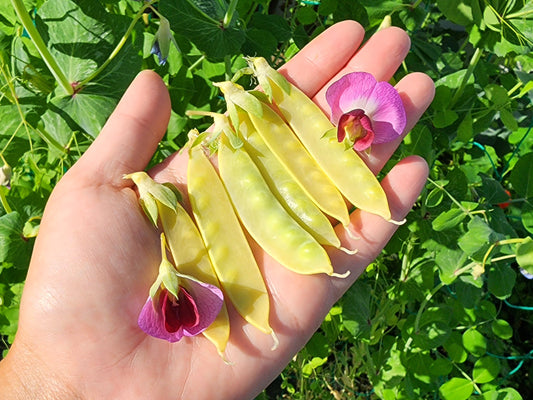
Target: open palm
column 97, row 254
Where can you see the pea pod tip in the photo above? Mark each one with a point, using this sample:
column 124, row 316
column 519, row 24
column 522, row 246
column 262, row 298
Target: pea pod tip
column 276, row 341
column 395, row 222
column 342, row 276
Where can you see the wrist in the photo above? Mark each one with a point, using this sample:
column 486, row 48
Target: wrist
column 22, row 377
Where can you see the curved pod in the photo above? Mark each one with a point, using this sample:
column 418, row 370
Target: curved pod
column 344, row 167
column 191, row 258
column 285, row 188
column 292, row 154
column 226, row 243
column 265, row 218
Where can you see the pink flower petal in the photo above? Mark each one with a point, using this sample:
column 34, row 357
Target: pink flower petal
column 351, row 92
column 152, row 322
column 380, row 102
column 168, row 319
column 209, row 300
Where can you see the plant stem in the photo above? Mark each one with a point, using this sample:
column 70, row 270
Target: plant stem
column 500, row 243
column 229, row 13
column 471, row 66
column 117, row 48
column 423, row 305
column 3, row 201
column 37, row 40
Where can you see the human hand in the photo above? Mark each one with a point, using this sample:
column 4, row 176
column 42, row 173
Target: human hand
column 97, row 255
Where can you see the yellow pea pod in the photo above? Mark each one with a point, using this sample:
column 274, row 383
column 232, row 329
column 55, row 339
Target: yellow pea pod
column 285, row 188
column 191, row 258
column 265, row 218
column 291, row 153
column 344, row 167
column 227, row 246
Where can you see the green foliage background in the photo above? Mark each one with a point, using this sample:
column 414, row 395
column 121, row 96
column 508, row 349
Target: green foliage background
column 445, row 311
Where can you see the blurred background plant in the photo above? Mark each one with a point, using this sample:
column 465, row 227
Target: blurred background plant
column 446, row 310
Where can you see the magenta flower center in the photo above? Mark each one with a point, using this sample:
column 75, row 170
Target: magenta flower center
column 180, row 312
column 357, row 127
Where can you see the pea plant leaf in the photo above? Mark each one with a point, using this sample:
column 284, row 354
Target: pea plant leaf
column 15, row 248
column 522, row 176
column 81, row 35
column 524, row 254
column 202, row 22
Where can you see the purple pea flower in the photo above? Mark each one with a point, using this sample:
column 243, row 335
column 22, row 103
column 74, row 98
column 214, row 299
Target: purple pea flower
column 178, row 305
column 365, row 111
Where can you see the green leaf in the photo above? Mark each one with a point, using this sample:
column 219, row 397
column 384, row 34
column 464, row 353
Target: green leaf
column 81, row 35
column 474, row 342
column 509, row 394
column 477, row 237
column 435, row 197
column 420, row 142
column 486, row 369
column 444, row 118
column 456, row 389
column 312, row 365
column 14, row 247
column 259, row 42
column 527, row 217
column 522, row 176
column 356, row 310
column 449, row 261
column 502, row 329
column 501, row 281
column 465, row 130
column 524, row 254
column 455, row 349
column 440, row 367
column 432, row 335
column 492, row 190
column 275, row 24
column 448, row 219
column 201, row 22
column 305, row 15
column 508, row 119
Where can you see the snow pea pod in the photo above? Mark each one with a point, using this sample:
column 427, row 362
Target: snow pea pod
column 345, row 168
column 291, row 153
column 265, row 218
column 226, row 244
column 191, row 258
column 289, row 193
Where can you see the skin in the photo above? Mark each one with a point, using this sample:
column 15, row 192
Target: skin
column 97, row 255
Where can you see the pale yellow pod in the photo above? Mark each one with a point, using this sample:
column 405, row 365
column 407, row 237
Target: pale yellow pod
column 191, row 258
column 264, row 217
column 292, row 154
column 299, row 205
column 228, row 248
column 344, row 167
